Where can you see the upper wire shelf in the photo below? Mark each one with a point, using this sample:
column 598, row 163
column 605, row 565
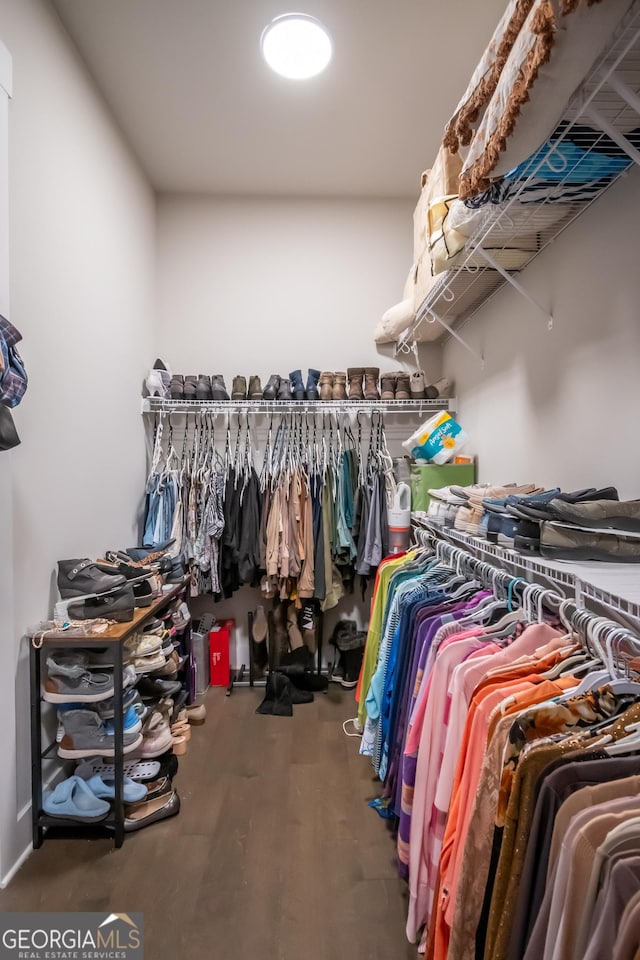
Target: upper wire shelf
column 162, row 405
column 608, row 102
column 613, row 585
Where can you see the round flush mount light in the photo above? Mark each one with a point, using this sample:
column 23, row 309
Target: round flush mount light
column 296, row 46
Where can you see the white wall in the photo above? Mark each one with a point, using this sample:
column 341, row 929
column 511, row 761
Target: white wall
column 272, row 285
column 560, row 407
column 269, row 286
column 82, row 294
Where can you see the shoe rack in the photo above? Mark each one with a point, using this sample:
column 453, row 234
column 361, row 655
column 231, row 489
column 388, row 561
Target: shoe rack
column 112, row 638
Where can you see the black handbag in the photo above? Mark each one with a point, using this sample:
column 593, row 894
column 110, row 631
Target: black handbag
column 8, row 434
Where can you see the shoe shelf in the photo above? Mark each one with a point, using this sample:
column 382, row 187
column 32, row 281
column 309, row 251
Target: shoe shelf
column 113, row 637
column 608, row 102
column 615, row 586
column 217, row 407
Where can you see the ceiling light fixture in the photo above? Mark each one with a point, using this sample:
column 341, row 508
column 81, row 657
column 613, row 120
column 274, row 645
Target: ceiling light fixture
column 296, row 46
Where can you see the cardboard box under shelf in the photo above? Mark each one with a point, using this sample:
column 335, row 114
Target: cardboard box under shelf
column 432, row 475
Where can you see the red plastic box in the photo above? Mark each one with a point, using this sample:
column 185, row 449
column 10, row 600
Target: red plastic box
column 219, row 642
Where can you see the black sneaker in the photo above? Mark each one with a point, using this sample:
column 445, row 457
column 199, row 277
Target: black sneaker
column 82, row 578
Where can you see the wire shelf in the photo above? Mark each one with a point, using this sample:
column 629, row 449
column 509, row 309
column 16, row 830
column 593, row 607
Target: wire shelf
column 614, row 585
column 608, row 102
column 217, row 407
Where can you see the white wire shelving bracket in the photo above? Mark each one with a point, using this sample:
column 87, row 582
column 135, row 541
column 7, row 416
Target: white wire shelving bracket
column 609, row 101
column 217, row 407
column 615, row 586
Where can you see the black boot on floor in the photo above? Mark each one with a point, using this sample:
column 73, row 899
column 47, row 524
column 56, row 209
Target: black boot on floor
column 305, row 679
column 277, row 697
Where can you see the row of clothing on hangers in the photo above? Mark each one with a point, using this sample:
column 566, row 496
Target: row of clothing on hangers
column 313, row 519
column 504, row 726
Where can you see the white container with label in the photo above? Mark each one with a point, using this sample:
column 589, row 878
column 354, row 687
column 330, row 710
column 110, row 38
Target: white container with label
column 399, row 519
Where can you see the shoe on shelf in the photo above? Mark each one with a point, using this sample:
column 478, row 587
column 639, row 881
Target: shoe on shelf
column 355, row 377
column 161, row 787
column 85, row 735
column 140, row 815
column 131, row 723
column 148, row 664
column 176, row 387
column 118, row 605
column 239, row 388
column 388, row 386
column 69, row 680
column 623, row 515
column 156, row 385
column 104, row 786
column 444, row 387
column 371, row 375
column 73, row 799
column 418, row 388
column 403, row 386
column 559, row 542
column 155, row 738
column 163, row 367
column 339, row 391
column 284, row 390
column 255, row 388
column 218, row 387
column 297, row 385
column 83, row 578
column 326, row 385
column 152, row 688
column 313, row 376
column 271, row 388
column 106, row 708
column 143, row 644
column 203, row 388
column 190, row 388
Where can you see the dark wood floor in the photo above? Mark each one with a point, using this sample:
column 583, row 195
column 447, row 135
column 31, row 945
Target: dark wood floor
column 274, row 853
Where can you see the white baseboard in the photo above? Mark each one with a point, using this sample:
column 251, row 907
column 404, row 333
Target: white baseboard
column 8, row 877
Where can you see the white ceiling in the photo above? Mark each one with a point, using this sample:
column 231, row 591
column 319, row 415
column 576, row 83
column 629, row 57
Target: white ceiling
column 204, row 114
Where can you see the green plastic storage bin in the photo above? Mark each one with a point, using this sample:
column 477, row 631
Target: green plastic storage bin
column 431, row 475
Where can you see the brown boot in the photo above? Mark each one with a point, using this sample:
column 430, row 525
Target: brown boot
column 326, row 385
column 278, row 640
column 403, row 386
column 371, row 375
column 354, row 376
column 255, row 388
column 295, row 636
column 388, row 386
column 339, row 385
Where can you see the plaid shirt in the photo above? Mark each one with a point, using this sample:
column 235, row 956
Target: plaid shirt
column 13, row 376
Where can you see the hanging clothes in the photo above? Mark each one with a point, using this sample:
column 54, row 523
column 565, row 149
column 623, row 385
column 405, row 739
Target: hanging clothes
column 298, row 524
column 482, row 729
